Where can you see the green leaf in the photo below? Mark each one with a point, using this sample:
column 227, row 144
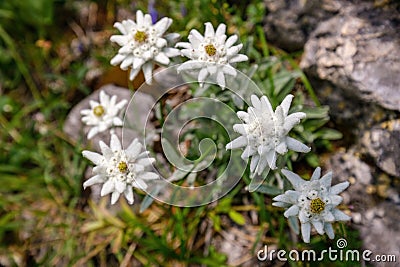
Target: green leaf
column 316, row 112
column 312, row 160
column 329, row 134
column 269, row 190
column 237, row 217
column 148, row 199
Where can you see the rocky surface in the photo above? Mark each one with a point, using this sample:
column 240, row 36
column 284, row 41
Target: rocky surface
column 296, row 19
column 352, row 59
column 358, row 52
column 382, row 143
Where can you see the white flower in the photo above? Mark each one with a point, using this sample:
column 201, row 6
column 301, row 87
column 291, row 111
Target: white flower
column 314, row 202
column 211, row 55
column 103, row 115
column 142, row 43
column 120, row 170
column 265, row 133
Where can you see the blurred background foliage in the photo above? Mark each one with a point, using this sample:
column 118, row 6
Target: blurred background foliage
column 55, row 52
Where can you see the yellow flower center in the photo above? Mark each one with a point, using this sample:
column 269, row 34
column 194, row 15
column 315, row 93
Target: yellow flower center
column 210, row 49
column 140, row 36
column 98, row 110
column 122, row 166
column 317, row 205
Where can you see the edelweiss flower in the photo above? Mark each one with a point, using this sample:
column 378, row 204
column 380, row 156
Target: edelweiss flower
column 314, row 202
column 120, row 170
column 212, row 54
column 103, row 115
column 265, row 133
column 142, row 43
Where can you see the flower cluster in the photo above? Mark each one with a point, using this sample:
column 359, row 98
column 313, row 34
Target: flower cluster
column 142, row 44
column 314, row 202
column 211, row 55
column 104, row 115
column 264, row 133
column 119, row 170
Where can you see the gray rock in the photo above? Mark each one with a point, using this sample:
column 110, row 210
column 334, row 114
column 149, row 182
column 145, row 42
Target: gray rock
column 381, row 231
column 347, row 166
column 357, row 52
column 289, row 23
column 382, row 143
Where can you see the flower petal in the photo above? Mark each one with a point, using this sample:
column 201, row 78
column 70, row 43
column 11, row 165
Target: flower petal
column 316, row 174
column 149, row 176
column 281, row 204
column 221, row 79
column 93, row 132
column 254, row 162
column 329, row 230
column 120, row 27
column 266, row 105
column 296, row 145
column 326, row 180
column 340, row 215
column 248, row 152
column 286, row 104
column 292, row 211
column 162, row 25
column 203, row 74
column 319, row 226
column 134, row 149
column 190, row 65
column 107, row 188
column 296, row 181
column 121, row 40
column 114, row 197
column 305, row 232
column 238, row 58
column 209, row 32
column 148, row 72
column 116, row 60
column 328, row 217
column 231, row 40
column 115, row 144
column 271, row 158
column 290, row 196
column 139, row 18
column 134, row 72
column 255, row 101
column 94, row 157
column 292, row 120
column 220, row 30
column 281, row 148
column 129, row 195
column 120, row 186
column 240, row 128
column 336, row 200
column 146, row 161
column 238, row 142
column 139, row 184
column 339, row 188
column 97, row 179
